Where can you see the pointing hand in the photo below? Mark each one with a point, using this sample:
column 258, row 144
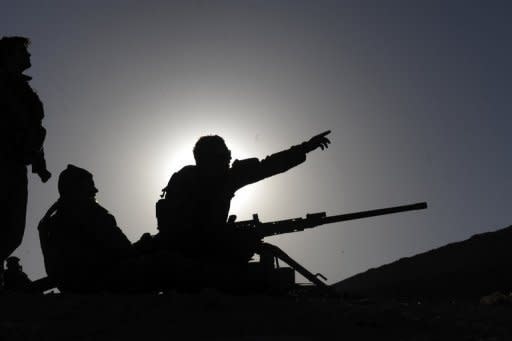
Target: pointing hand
column 317, row 141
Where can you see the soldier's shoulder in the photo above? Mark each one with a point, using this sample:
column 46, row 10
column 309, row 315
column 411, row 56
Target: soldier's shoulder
column 99, row 210
column 245, row 163
column 57, row 220
column 186, row 172
column 48, row 223
column 181, row 179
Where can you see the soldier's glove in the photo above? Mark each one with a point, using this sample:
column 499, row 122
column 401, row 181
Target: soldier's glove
column 39, row 166
column 44, row 175
column 318, row 141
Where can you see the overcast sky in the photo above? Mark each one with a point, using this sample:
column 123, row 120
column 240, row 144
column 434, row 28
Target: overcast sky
column 417, row 97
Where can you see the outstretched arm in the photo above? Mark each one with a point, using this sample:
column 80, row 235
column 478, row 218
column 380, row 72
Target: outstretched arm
column 252, row 170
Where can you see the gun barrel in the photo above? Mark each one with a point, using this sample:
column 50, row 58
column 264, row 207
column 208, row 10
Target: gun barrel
column 313, row 220
column 373, row 213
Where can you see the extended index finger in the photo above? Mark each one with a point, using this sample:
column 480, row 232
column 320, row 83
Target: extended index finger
column 325, row 133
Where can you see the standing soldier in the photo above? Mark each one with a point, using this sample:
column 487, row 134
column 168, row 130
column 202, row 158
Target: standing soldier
column 22, row 137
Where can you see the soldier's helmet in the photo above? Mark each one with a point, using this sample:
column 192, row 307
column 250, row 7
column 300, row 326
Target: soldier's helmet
column 76, row 182
column 211, row 151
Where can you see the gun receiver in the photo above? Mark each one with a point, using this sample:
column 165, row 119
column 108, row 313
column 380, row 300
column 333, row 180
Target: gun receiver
column 314, row 219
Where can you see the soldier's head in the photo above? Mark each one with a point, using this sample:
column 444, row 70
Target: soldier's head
column 14, row 56
column 13, row 263
column 212, row 154
column 76, row 184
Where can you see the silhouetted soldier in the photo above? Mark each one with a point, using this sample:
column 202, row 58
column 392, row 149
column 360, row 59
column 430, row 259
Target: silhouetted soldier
column 192, row 218
column 85, row 251
column 22, row 138
column 15, row 278
column 80, row 239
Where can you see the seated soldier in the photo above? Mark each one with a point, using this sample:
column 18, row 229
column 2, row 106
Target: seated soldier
column 192, row 217
column 85, row 251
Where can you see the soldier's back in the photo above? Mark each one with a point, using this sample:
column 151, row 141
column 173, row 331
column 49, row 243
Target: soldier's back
column 79, row 242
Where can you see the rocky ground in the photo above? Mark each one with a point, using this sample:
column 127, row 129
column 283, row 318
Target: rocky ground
column 214, row 316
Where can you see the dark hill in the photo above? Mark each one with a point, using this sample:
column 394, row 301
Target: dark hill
column 474, row 267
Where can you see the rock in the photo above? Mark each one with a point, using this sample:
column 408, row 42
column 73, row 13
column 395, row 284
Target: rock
column 496, row 298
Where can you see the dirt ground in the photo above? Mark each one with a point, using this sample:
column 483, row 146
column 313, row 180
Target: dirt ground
column 210, row 315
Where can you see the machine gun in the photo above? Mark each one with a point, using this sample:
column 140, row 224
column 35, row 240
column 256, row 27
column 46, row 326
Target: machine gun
column 313, row 220
column 270, row 254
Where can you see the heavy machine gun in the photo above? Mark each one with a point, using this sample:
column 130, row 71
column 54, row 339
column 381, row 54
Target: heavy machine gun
column 313, row 220
column 268, row 266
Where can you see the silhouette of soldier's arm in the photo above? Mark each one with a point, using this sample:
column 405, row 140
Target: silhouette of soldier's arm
column 36, row 135
column 249, row 171
column 50, row 252
column 24, row 114
column 108, row 234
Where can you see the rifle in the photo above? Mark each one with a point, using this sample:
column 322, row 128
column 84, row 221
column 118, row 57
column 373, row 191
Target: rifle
column 313, row 220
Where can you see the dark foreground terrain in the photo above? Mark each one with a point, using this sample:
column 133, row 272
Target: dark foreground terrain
column 436, row 295
column 214, row 316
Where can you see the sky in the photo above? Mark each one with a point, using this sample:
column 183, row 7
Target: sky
column 416, row 94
